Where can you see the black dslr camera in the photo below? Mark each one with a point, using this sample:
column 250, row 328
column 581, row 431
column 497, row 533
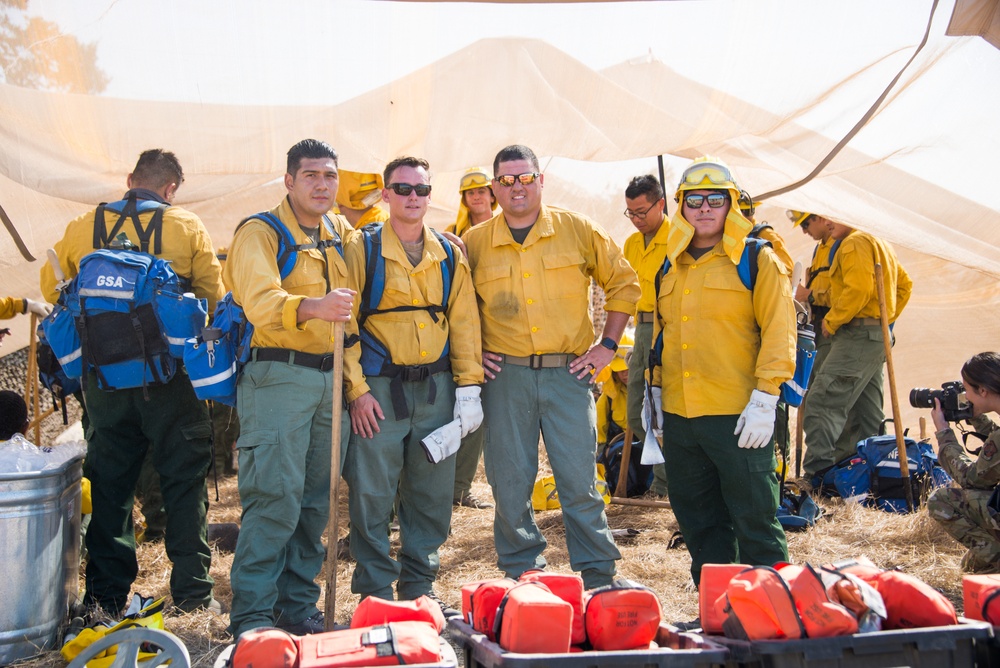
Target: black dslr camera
column 952, row 397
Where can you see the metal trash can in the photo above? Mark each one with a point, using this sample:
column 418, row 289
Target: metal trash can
column 39, row 556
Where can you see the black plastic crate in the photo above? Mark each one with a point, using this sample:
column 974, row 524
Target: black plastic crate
column 934, row 647
column 677, row 650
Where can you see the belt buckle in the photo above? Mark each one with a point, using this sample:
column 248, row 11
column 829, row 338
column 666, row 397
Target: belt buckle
column 535, row 362
column 412, row 374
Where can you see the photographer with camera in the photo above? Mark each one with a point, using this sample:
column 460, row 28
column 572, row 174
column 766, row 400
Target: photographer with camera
column 969, row 513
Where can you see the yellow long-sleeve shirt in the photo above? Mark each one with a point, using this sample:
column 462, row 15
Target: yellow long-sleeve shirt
column 534, row 297
column 11, row 306
column 615, row 395
column 647, row 260
column 272, row 304
column 819, row 273
column 184, row 241
column 720, row 340
column 413, row 337
column 852, row 281
column 376, row 214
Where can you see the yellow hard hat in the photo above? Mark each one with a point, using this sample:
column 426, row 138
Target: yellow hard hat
column 618, row 363
column 708, row 173
column 474, row 177
column 544, row 495
column 358, row 190
column 797, row 217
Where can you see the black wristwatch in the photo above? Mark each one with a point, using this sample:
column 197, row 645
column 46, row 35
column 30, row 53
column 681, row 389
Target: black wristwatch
column 609, row 343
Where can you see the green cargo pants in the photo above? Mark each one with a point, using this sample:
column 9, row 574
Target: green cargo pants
column 174, row 425
column 637, row 365
column 147, row 492
column 394, row 459
column 521, row 404
column 286, row 415
column 845, row 400
column 723, row 496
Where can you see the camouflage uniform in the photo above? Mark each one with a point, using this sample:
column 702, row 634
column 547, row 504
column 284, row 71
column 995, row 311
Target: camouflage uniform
column 963, row 512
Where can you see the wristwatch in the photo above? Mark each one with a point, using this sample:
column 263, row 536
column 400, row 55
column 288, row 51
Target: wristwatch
column 609, row 343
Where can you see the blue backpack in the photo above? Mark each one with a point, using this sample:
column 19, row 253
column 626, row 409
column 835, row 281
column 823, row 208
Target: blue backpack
column 52, row 376
column 215, row 358
column 792, row 391
column 873, row 474
column 375, row 357
column 125, row 315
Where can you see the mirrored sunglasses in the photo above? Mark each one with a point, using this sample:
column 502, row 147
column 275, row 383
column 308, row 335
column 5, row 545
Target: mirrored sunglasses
column 715, row 200
column 507, row 180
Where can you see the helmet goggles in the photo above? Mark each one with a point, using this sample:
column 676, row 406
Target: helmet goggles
column 708, row 174
column 473, row 180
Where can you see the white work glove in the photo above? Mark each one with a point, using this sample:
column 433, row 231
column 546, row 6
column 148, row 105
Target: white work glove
column 41, row 309
column 651, row 413
column 756, row 423
column 468, row 408
column 443, row 442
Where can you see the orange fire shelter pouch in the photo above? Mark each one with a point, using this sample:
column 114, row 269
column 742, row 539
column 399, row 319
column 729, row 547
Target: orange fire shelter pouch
column 911, row 603
column 392, row 644
column 568, row 587
column 265, row 648
column 480, row 601
column 760, row 607
column 821, row 617
column 624, row 615
column 531, row 619
column 373, row 611
column 980, row 597
column 711, row 587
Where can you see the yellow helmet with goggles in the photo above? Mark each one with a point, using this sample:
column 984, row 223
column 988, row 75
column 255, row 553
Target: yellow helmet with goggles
column 708, row 173
column 797, row 217
column 474, row 177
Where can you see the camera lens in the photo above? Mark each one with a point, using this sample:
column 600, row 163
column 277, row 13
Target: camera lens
column 922, row 397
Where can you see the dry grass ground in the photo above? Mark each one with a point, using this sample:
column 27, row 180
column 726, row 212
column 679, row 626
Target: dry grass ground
column 912, row 543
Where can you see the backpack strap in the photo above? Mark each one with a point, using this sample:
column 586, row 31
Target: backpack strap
column 129, row 210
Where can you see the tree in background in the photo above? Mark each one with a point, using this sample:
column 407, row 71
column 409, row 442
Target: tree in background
column 35, row 53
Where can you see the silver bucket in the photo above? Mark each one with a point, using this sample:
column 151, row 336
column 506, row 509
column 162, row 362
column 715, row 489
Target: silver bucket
column 39, row 556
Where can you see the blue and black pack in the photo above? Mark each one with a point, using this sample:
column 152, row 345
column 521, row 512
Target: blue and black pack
column 375, row 357
column 793, row 391
column 215, row 357
column 874, row 476
column 52, row 376
column 797, row 511
column 128, row 309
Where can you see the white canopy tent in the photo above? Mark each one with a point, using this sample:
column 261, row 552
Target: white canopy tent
column 770, row 86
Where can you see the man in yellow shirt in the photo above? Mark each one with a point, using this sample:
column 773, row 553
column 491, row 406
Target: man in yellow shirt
column 420, row 347
column 166, row 419
column 285, row 396
column 532, row 266
column 725, row 350
column 846, row 392
column 359, row 198
column 645, row 250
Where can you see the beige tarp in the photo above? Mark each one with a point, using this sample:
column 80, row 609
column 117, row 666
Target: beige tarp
column 922, row 174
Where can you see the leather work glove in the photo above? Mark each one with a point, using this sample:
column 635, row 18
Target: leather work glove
column 756, row 423
column 443, row 442
column 468, row 408
column 41, row 309
column 651, row 413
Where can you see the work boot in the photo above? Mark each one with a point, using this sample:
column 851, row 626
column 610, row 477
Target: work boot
column 309, row 625
column 470, row 500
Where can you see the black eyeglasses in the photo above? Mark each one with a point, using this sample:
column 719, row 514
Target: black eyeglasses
column 404, row 189
column 715, row 200
column 640, row 214
column 507, row 180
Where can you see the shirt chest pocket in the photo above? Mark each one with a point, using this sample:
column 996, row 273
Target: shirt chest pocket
column 725, row 298
column 565, row 276
column 309, row 278
column 491, row 279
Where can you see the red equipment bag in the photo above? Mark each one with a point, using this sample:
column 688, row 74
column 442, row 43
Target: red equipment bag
column 911, row 603
column 531, row 619
column 480, row 601
column 623, row 615
column 373, row 611
column 979, row 596
column 392, row 644
column 712, row 585
column 265, row 648
column 568, row 587
column 760, row 607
